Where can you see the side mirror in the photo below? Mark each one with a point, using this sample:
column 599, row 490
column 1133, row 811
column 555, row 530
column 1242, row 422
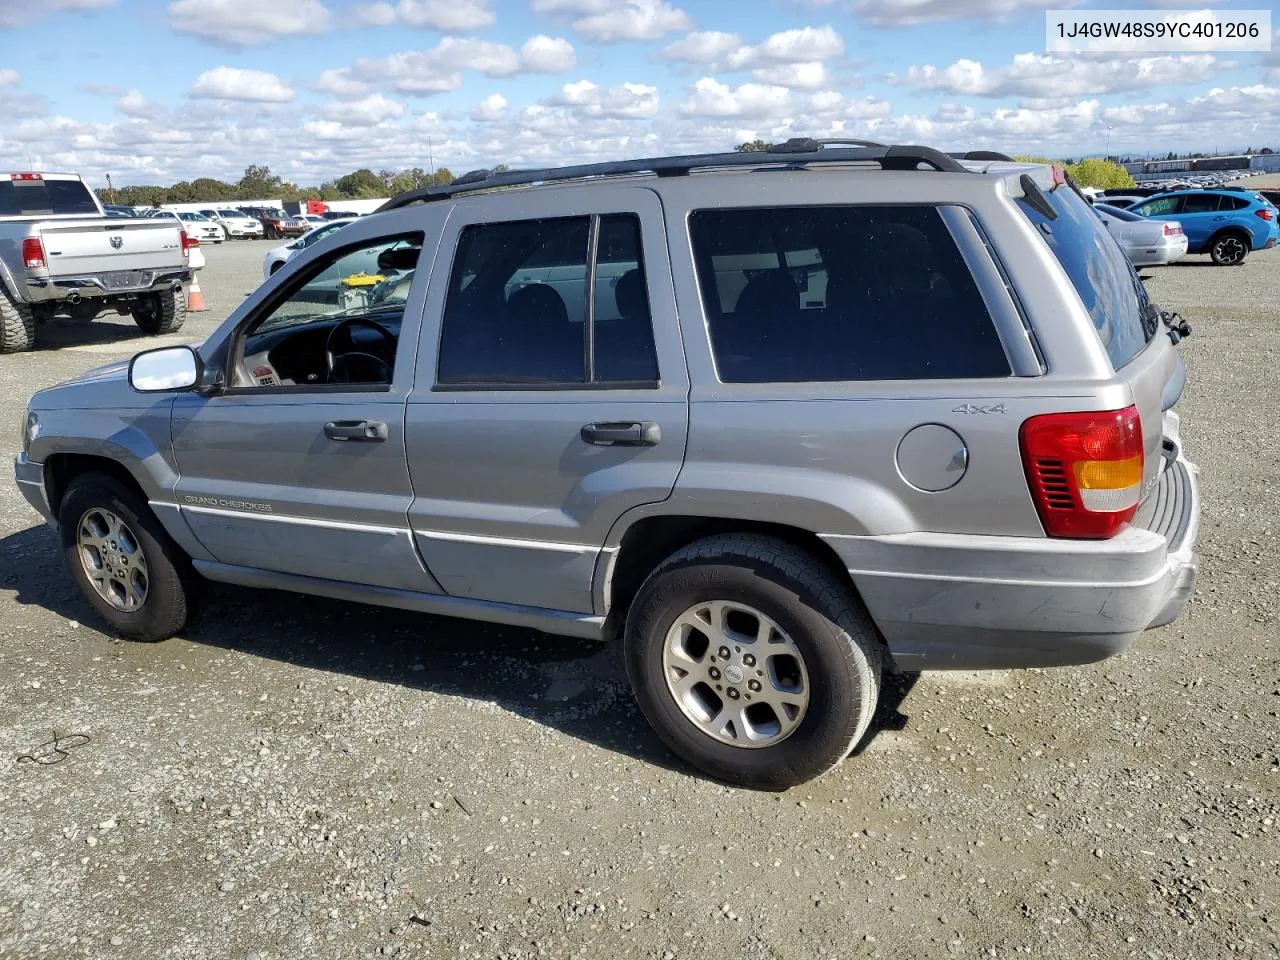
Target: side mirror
column 165, row 369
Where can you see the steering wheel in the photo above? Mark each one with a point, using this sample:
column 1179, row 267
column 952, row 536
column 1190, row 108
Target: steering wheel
column 339, row 351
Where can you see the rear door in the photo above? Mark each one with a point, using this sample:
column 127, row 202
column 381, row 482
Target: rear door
column 552, row 398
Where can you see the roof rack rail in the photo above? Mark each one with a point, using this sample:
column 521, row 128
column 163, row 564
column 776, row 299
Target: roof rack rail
column 982, row 155
column 793, row 154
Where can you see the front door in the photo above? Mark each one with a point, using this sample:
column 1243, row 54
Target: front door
column 554, row 396
column 298, row 466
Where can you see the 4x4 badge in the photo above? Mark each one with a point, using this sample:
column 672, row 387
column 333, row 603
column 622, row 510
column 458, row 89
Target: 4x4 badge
column 975, row 408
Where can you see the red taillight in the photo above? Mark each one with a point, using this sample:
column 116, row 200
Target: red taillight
column 33, row 254
column 1084, row 470
column 1172, row 230
column 1264, row 213
column 25, row 176
column 186, row 241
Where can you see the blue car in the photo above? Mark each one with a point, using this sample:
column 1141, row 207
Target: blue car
column 1226, row 224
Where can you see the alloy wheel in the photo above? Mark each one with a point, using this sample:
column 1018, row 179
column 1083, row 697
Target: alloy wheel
column 735, row 674
column 112, row 559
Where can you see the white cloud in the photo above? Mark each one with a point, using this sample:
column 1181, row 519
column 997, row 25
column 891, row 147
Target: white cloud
column 20, row 13
column 791, row 58
column 908, row 13
column 245, row 23
column 632, row 101
column 9, row 78
column 614, row 21
column 134, row 104
column 444, row 15
column 809, row 76
column 543, row 54
column 367, row 112
column 341, row 83
column 439, row 69
column 232, row 83
column 711, row 98
column 1047, row 75
column 491, row 108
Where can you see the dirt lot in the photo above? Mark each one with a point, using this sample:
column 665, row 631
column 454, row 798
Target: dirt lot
column 299, row 778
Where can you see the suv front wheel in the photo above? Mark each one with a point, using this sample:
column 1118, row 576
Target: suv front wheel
column 126, row 566
column 754, row 662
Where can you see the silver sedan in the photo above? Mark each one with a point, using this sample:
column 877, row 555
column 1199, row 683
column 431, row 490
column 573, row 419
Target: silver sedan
column 1148, row 243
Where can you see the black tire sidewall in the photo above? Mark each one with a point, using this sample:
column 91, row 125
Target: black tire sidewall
column 1213, row 252
column 165, row 609
column 831, row 719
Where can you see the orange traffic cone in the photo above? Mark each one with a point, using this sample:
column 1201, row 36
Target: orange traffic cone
column 195, row 296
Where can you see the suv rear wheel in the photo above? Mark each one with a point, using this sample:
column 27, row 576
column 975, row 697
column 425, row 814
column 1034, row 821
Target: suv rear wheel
column 752, row 661
column 126, row 566
column 1229, row 249
column 161, row 313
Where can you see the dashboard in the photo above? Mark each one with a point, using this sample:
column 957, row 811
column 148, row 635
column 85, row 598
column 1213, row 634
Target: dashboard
column 295, row 355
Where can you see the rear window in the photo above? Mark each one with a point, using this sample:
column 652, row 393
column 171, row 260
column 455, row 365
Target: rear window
column 797, row 294
column 35, row 198
column 1101, row 273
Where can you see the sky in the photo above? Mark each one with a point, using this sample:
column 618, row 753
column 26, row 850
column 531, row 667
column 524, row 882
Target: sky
column 155, row 91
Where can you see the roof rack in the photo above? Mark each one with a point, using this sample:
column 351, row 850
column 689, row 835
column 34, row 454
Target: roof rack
column 794, row 154
column 982, row 155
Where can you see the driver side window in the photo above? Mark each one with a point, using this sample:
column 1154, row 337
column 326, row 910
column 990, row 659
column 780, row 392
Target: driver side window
column 336, row 324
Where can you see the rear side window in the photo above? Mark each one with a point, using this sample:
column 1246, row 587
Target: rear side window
column 536, row 302
column 796, row 294
column 1201, row 203
column 34, row 198
column 1234, row 203
column 1101, row 273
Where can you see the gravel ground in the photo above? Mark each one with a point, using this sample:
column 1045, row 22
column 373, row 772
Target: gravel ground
column 301, row 778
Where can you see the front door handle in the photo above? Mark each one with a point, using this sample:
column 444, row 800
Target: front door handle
column 624, row 434
column 361, row 431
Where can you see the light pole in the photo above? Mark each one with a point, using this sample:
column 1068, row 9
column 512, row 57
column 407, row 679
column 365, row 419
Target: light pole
column 1108, row 142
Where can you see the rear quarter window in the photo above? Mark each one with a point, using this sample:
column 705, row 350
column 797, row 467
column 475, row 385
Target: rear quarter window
column 1107, row 284
column 847, row 293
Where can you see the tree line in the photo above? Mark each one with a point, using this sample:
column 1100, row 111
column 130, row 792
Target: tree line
column 259, row 183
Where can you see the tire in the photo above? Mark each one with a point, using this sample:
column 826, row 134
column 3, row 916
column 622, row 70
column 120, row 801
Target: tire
column 270, row 233
column 164, row 607
column 162, row 313
column 839, row 649
column 17, row 324
column 1229, row 249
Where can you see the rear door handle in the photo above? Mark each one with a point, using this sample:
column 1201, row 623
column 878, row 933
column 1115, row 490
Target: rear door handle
column 361, row 431
column 622, row 434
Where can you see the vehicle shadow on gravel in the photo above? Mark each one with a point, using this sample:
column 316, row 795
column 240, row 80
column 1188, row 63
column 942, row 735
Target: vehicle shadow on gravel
column 574, row 686
column 60, row 332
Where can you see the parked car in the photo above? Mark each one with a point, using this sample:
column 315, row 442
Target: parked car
column 277, row 223
column 235, row 224
column 312, row 220
column 1147, row 243
column 277, row 256
column 60, row 253
column 338, row 215
column 781, row 427
column 1225, row 224
column 201, row 227
column 118, row 211
column 1122, row 202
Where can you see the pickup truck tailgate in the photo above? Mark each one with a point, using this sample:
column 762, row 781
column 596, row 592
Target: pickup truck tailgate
column 96, row 246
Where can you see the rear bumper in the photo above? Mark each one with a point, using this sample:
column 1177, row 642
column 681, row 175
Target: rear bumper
column 960, row 602
column 56, row 289
column 30, row 479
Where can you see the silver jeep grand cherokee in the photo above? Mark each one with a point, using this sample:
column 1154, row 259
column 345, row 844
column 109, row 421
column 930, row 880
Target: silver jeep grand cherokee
column 784, row 420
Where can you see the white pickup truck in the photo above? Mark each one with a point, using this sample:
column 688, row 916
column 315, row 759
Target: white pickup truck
column 59, row 254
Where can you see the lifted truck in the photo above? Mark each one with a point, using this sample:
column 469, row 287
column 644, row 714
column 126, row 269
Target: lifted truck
column 61, row 254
